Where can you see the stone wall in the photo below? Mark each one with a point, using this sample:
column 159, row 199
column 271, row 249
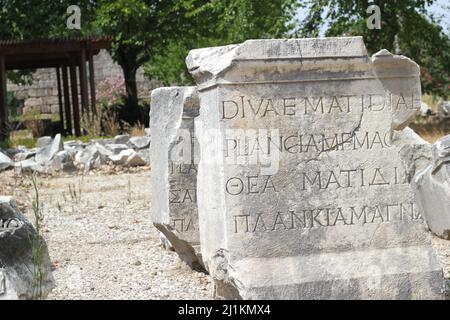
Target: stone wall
column 42, row 94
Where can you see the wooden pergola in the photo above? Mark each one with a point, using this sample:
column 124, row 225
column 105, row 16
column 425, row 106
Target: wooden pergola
column 66, row 56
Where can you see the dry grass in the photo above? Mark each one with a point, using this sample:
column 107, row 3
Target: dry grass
column 104, row 122
column 433, row 136
column 135, row 130
column 431, row 129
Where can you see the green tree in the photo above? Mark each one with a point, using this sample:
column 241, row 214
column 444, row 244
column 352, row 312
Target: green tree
column 214, row 23
column 156, row 32
column 30, row 20
column 132, row 23
column 406, row 28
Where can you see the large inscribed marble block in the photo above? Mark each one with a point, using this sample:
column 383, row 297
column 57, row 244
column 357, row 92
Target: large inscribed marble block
column 302, row 189
column 173, row 159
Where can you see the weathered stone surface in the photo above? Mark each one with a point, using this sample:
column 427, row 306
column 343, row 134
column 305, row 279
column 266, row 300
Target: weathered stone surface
column 44, row 141
column 432, row 186
column 134, row 159
column 63, row 161
column 121, row 139
column 116, row 148
column 103, row 150
column 139, row 143
column 103, row 142
column 302, row 189
column 145, row 155
column 18, row 272
column 29, row 166
column 24, row 153
column 415, row 151
column 72, row 144
column 174, row 170
column 128, row 158
column 45, row 154
column 5, row 162
column 89, row 157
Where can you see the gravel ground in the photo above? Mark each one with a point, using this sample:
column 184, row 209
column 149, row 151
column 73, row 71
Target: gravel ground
column 103, row 245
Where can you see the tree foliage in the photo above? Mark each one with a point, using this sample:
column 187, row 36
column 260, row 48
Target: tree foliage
column 153, row 32
column 219, row 22
column 406, row 28
column 29, row 20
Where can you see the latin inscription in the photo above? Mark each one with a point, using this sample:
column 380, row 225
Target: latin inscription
column 244, row 107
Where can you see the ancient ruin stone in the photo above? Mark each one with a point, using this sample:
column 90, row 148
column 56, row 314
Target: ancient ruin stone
column 19, row 272
column 302, row 190
column 432, row 187
column 174, row 170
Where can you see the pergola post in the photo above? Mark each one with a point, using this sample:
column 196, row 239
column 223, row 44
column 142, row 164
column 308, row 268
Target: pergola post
column 92, row 83
column 75, row 105
column 83, row 83
column 4, row 134
column 67, row 100
column 60, row 102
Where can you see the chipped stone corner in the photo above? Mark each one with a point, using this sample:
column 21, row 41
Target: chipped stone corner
column 432, row 189
column 208, row 63
column 414, row 151
column 385, row 65
column 226, row 287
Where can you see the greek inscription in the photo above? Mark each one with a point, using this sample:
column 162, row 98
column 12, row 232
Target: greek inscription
column 326, row 217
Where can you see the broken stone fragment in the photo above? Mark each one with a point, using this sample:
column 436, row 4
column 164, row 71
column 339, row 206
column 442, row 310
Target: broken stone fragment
column 116, row 148
column 89, row 158
column 73, row 145
column 121, row 139
column 43, row 141
column 128, row 158
column 5, row 162
column 134, row 159
column 46, row 153
column 145, row 155
column 173, row 160
column 415, row 152
column 139, row 143
column 432, row 187
column 24, row 153
column 63, row 161
column 19, row 270
column 29, row 166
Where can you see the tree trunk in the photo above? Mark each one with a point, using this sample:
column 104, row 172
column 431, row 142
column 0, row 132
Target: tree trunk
column 131, row 111
column 131, row 86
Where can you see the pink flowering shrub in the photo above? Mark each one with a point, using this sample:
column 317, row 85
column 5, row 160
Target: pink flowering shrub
column 110, row 92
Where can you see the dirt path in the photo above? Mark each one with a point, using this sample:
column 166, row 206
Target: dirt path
column 103, row 245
